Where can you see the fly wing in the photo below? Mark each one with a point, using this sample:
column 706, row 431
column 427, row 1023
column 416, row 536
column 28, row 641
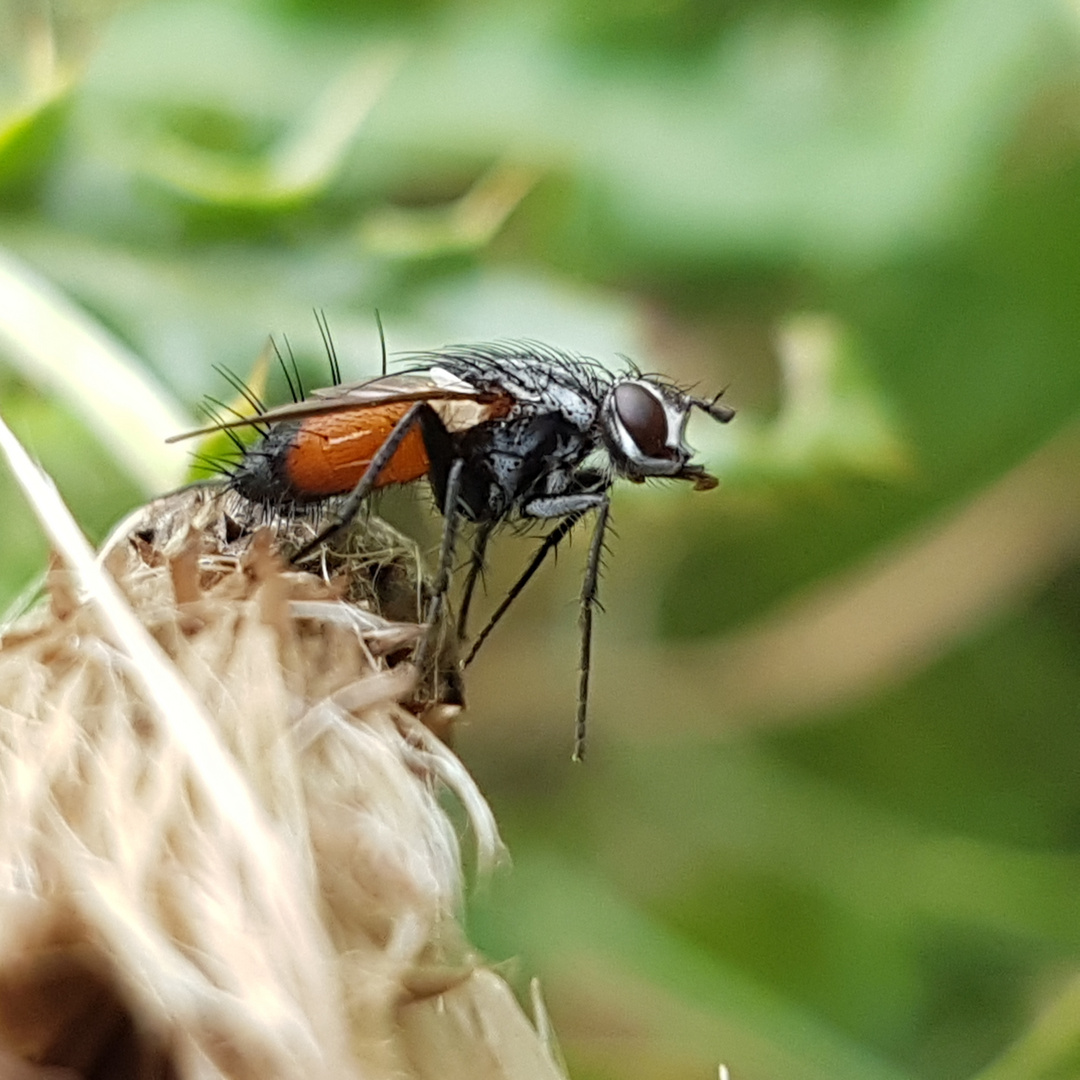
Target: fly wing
column 433, row 385
column 434, row 382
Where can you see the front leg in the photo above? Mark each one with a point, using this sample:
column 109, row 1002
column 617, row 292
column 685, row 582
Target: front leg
column 589, row 589
column 560, row 506
column 571, row 508
column 476, row 571
column 550, row 543
column 574, row 506
column 437, row 600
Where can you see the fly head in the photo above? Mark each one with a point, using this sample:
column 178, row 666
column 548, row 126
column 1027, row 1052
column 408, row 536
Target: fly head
column 643, row 421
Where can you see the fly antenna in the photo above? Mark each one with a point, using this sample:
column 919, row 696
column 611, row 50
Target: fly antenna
column 382, row 340
column 723, row 413
column 328, row 345
column 285, row 371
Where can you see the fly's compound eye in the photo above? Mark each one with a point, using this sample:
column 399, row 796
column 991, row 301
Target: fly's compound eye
column 643, row 419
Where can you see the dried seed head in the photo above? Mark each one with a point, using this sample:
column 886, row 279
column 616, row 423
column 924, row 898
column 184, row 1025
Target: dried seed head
column 281, row 904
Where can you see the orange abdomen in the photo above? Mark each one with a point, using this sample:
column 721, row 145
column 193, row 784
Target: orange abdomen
column 330, row 452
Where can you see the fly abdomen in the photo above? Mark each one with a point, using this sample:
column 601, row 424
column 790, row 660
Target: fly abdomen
column 329, row 453
column 324, row 455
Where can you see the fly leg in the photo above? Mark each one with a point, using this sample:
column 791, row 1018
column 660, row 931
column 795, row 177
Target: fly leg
column 451, row 518
column 433, row 430
column 550, row 543
column 570, row 508
column 589, row 590
column 476, row 569
column 439, row 447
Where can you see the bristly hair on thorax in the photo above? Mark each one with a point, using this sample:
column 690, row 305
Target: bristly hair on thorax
column 530, row 371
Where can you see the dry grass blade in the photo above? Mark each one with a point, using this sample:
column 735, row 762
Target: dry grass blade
column 222, row 851
column 58, row 346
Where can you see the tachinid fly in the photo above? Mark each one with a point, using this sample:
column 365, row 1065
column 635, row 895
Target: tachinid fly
column 503, row 432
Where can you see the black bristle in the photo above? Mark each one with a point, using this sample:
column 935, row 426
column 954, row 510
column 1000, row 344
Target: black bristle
column 241, row 387
column 328, row 345
column 285, row 371
column 301, row 393
column 382, row 340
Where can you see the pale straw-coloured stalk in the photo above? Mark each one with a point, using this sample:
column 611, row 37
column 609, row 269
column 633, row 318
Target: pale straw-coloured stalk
column 222, row 847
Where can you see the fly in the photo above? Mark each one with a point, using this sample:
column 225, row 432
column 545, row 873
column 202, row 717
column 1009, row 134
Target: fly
column 503, row 432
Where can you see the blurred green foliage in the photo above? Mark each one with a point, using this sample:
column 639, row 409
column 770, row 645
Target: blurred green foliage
column 861, row 218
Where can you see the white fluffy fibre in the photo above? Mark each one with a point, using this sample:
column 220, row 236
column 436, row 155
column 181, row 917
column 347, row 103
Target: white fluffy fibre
column 222, row 850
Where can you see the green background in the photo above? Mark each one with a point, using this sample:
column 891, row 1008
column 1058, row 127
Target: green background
column 829, row 824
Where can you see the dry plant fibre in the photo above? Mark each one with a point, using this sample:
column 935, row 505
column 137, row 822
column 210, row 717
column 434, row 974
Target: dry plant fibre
column 222, row 847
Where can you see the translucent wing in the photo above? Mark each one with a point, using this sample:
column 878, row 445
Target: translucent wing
column 434, row 385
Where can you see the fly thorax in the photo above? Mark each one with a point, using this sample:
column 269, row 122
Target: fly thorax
column 578, row 409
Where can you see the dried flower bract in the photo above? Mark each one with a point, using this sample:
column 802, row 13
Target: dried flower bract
column 222, row 851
